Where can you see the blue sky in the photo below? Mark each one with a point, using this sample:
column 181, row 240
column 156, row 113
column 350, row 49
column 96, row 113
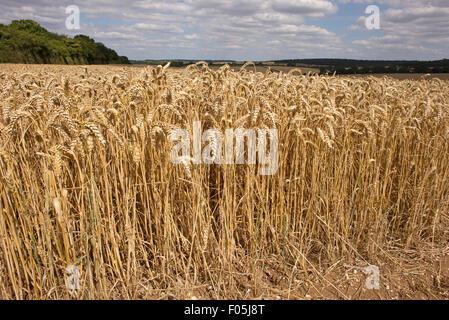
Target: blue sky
column 252, row 29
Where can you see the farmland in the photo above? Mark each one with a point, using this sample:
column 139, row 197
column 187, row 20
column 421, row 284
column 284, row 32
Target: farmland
column 86, row 180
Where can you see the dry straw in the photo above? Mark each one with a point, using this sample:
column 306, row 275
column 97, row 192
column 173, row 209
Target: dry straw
column 86, row 177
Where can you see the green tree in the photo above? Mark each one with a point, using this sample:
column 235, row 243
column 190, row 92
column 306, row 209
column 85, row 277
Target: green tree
column 25, row 41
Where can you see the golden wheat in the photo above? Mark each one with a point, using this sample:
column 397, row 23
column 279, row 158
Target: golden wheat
column 86, row 177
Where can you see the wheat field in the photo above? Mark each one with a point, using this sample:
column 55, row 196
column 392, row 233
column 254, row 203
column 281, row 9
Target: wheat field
column 86, row 180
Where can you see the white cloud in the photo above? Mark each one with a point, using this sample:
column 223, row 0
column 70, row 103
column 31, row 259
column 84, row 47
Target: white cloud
column 247, row 29
column 157, row 28
column 316, row 8
column 412, row 28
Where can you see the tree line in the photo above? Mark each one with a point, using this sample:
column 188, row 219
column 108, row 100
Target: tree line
column 25, row 41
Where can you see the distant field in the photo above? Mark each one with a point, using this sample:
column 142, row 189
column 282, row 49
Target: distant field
column 399, row 76
column 273, row 68
column 305, row 70
column 405, row 76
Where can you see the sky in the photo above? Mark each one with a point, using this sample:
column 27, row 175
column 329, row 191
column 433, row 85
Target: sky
column 252, row 30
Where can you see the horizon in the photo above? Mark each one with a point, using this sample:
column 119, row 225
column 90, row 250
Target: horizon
column 265, row 30
column 287, row 59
